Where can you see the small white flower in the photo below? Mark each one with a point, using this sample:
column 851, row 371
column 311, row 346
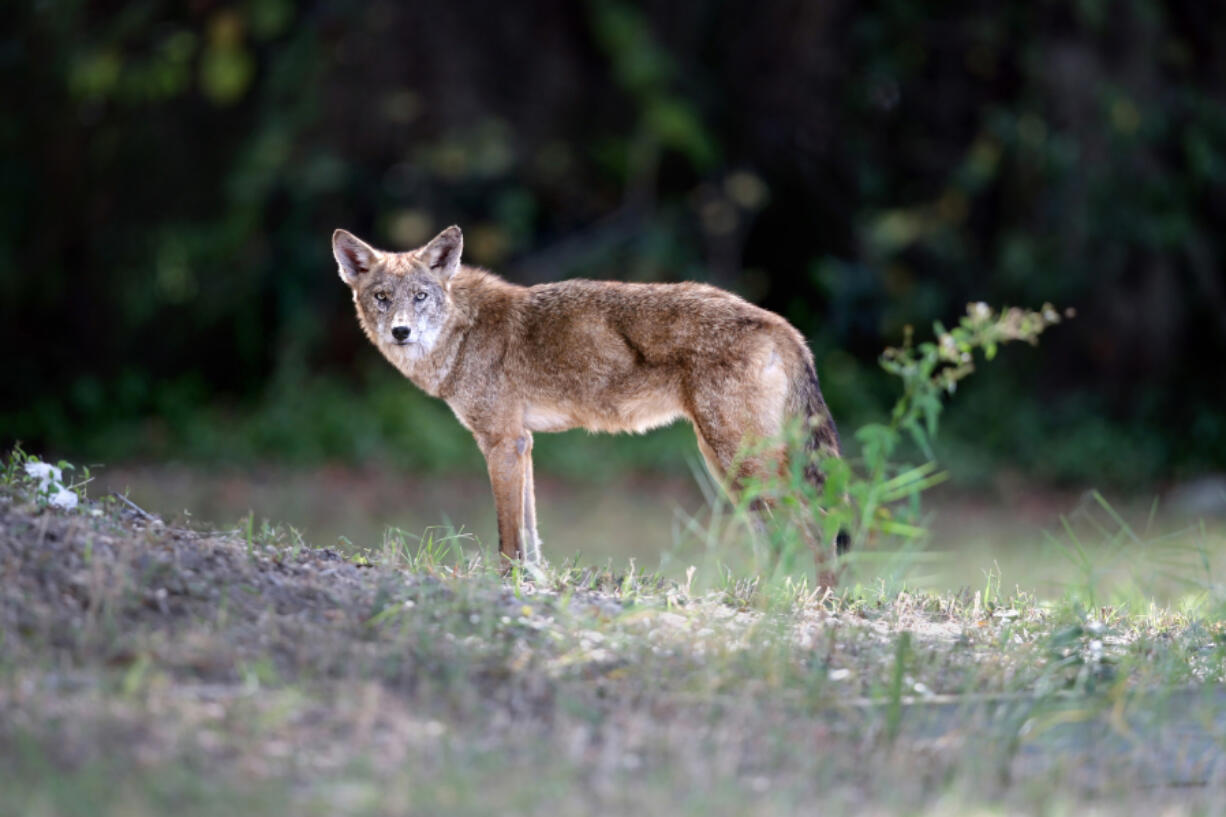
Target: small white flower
column 981, row 311
column 949, row 347
column 44, row 472
column 50, row 480
column 63, row 499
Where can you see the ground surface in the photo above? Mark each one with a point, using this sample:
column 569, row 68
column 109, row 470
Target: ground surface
column 148, row 668
column 1009, row 528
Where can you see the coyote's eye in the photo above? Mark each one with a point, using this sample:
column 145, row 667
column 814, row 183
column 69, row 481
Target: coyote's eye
column 381, row 299
column 421, row 296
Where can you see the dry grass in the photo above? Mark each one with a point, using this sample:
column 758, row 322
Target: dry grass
column 146, row 668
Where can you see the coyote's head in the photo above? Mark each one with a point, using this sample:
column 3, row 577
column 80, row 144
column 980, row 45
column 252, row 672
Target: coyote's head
column 403, row 298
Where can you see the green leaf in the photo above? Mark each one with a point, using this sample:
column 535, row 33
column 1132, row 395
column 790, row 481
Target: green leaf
column 916, row 487
column 921, row 439
column 931, row 405
column 225, row 73
column 895, row 528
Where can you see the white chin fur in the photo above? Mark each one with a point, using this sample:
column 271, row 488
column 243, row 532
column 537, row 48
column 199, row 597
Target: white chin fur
column 403, row 351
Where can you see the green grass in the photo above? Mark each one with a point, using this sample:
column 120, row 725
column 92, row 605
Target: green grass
column 146, row 667
column 667, row 525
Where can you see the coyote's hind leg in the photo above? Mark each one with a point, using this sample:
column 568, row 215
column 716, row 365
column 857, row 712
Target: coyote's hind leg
column 734, row 469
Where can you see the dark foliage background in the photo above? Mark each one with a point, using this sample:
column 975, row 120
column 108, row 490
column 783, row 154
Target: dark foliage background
column 170, row 174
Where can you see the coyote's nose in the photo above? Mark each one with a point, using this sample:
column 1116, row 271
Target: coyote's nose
column 400, row 332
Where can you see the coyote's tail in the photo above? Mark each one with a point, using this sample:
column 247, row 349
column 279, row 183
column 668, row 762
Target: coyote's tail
column 821, row 435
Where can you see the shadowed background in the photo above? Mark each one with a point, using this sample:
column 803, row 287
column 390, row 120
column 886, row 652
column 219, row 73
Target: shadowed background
column 171, row 174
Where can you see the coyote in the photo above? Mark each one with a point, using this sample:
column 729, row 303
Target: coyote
column 511, row 360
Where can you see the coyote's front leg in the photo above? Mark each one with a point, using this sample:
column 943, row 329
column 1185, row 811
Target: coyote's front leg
column 507, row 458
column 532, row 540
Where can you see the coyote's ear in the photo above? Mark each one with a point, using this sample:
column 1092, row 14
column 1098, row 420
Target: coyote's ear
column 353, row 255
column 442, row 254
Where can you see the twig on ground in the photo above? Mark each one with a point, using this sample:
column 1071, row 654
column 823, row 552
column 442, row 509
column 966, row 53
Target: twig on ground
column 141, row 512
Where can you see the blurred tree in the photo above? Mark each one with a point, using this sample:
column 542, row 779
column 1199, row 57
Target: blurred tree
column 171, row 173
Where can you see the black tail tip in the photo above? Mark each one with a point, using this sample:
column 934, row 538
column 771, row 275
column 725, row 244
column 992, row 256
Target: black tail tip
column 842, row 543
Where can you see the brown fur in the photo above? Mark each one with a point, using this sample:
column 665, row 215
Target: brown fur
column 605, row 356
